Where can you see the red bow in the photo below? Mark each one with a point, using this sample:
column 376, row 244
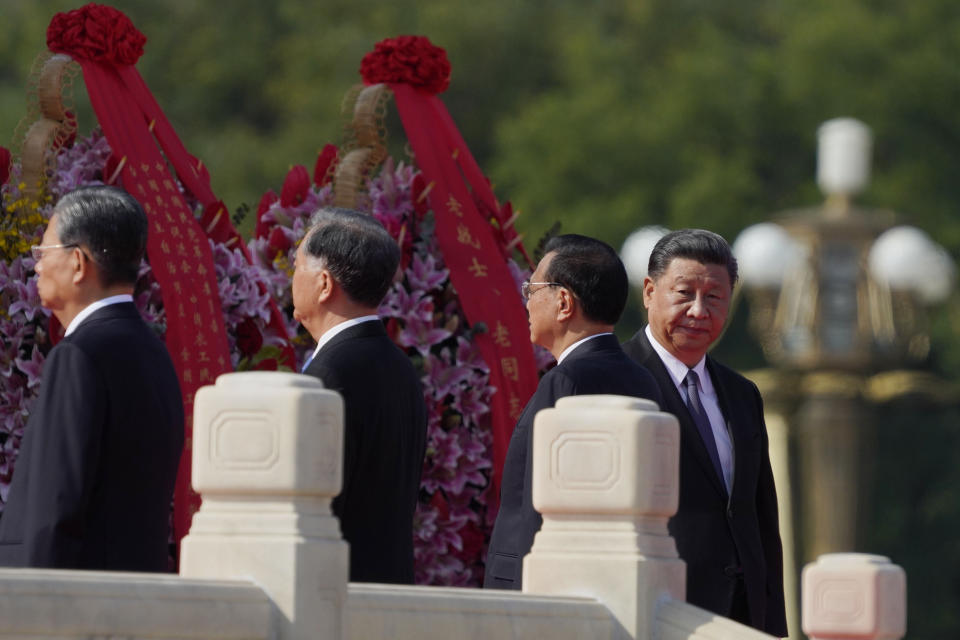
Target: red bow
column 96, row 32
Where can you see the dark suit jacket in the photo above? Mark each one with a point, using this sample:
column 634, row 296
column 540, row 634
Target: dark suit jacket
column 95, row 476
column 598, row 366
column 385, row 434
column 714, row 531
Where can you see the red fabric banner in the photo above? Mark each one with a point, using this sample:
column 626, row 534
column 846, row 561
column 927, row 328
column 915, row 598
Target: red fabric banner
column 196, row 179
column 179, row 254
column 477, row 267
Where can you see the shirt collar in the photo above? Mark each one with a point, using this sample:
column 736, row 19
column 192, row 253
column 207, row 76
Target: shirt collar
column 566, row 352
column 330, row 333
column 678, row 370
column 93, row 307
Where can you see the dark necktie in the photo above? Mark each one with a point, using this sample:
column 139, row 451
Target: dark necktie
column 702, row 421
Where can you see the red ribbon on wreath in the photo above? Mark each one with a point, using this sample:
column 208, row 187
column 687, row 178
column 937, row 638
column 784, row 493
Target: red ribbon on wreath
column 474, row 232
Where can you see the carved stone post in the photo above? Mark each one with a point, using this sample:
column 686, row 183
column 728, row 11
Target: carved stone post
column 854, row 596
column 605, row 478
column 267, row 458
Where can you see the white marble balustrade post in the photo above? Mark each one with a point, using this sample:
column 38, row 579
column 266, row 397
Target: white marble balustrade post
column 267, row 458
column 854, row 596
column 605, row 479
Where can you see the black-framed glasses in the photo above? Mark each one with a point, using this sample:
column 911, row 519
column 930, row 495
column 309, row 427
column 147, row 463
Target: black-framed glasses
column 36, row 251
column 525, row 291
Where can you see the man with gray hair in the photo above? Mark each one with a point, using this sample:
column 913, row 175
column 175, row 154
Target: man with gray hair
column 95, row 475
column 344, row 266
column 726, row 525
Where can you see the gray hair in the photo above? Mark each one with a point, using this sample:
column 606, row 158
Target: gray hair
column 356, row 250
column 110, row 224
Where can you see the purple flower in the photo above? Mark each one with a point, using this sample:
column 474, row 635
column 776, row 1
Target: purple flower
column 80, row 164
column 390, row 194
column 8, row 454
column 32, row 368
column 425, row 521
column 426, row 273
column 469, row 354
column 421, row 335
column 442, row 377
column 406, row 305
column 472, row 402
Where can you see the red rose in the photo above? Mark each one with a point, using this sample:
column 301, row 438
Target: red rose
column 267, row 364
column 265, row 203
column 326, row 160
column 278, row 241
column 472, row 539
column 96, row 32
column 249, row 338
column 295, row 186
column 412, row 60
column 393, row 328
column 438, row 502
column 4, row 165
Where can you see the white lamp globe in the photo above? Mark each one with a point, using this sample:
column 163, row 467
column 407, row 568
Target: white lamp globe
column 764, row 253
column 905, row 258
column 843, row 156
column 636, row 252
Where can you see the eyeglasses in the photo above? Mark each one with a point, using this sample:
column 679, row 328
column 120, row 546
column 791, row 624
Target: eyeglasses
column 37, row 250
column 525, row 292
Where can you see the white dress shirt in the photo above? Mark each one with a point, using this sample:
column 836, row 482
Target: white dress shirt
column 569, row 350
column 708, row 398
column 329, row 334
column 95, row 306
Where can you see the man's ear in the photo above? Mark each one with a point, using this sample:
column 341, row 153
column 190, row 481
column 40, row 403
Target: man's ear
column 83, row 268
column 326, row 286
column 648, row 287
column 566, row 305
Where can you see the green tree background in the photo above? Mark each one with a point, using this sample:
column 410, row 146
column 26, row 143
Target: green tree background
column 607, row 116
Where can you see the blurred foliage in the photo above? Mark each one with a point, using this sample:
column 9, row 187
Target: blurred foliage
column 914, row 511
column 605, row 116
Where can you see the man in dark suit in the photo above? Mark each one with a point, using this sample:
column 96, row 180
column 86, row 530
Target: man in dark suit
column 344, row 267
column 726, row 525
column 574, row 297
column 95, row 475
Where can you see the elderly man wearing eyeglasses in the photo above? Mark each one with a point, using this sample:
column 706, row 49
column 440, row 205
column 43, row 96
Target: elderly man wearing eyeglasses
column 574, row 298
column 95, row 475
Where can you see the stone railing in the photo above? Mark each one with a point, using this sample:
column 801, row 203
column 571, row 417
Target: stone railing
column 264, row 558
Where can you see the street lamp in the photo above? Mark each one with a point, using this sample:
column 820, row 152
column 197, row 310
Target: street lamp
column 837, row 294
column 834, row 286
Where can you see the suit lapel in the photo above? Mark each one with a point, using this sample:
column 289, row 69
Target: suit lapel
column 734, row 415
column 675, row 405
